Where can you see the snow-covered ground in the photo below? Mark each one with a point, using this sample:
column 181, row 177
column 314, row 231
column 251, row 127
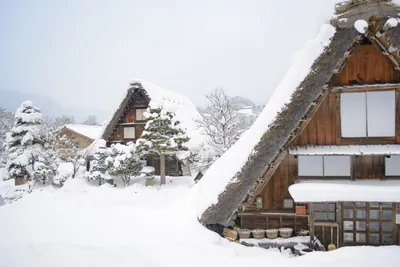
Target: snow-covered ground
column 85, row 225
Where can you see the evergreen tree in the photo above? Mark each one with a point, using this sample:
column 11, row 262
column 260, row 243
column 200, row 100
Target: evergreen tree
column 162, row 136
column 6, row 123
column 27, row 159
column 100, row 165
column 126, row 162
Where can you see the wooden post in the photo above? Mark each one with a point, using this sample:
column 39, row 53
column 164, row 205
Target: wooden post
column 162, row 169
column 311, row 218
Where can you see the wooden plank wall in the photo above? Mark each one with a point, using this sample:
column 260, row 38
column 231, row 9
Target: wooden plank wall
column 323, row 128
column 130, row 116
column 276, row 190
column 367, row 65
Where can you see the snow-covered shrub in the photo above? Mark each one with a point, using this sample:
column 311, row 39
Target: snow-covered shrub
column 202, row 157
column 162, row 135
column 27, row 158
column 70, row 152
column 100, row 165
column 125, row 162
column 64, row 172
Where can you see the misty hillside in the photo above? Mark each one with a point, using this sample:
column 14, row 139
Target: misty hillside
column 11, row 100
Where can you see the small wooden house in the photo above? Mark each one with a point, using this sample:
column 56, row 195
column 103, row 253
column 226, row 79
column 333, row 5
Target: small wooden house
column 80, row 135
column 329, row 161
column 128, row 121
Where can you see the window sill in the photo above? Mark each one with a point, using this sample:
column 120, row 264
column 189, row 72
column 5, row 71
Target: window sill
column 367, row 140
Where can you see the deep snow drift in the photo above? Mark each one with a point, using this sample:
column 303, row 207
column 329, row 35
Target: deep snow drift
column 85, row 225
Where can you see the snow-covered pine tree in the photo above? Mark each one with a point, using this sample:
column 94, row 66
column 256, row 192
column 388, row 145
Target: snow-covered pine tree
column 126, row 162
column 27, row 159
column 162, row 136
column 6, row 123
column 100, row 165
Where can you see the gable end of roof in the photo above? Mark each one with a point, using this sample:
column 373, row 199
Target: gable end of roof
column 275, row 139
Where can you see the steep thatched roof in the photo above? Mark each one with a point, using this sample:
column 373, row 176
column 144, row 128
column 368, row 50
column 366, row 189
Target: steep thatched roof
column 157, row 96
column 274, row 143
column 120, row 110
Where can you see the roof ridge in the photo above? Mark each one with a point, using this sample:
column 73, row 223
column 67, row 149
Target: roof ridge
column 346, row 5
column 81, row 124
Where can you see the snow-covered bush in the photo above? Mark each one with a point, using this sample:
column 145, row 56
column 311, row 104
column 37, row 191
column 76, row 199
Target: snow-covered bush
column 202, row 157
column 125, row 162
column 27, row 158
column 69, row 152
column 100, row 165
column 162, row 136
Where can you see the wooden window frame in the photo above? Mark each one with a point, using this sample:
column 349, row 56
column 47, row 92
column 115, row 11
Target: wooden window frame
column 334, row 211
column 384, row 174
column 338, row 90
column 136, row 115
column 323, row 170
column 129, row 138
column 367, row 221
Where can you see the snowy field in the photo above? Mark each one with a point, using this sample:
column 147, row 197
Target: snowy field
column 86, row 225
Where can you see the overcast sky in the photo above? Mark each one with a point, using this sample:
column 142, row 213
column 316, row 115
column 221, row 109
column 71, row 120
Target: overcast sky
column 84, row 53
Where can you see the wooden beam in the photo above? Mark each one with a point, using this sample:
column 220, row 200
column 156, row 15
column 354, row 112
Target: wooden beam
column 366, row 87
column 311, row 222
column 376, row 41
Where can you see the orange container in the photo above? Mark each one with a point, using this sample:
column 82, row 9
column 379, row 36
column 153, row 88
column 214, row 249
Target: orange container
column 301, row 210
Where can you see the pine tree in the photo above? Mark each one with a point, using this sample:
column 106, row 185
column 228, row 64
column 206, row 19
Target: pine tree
column 162, row 136
column 27, row 159
column 126, row 162
column 100, row 165
column 6, row 123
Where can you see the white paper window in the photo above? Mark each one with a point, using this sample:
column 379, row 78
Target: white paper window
column 324, row 166
column 369, row 114
column 129, row 132
column 139, row 114
column 381, row 113
column 353, row 114
column 337, row 165
column 310, row 166
column 392, row 166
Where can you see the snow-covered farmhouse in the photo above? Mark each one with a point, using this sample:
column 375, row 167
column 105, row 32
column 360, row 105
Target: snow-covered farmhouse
column 80, row 135
column 324, row 155
column 128, row 122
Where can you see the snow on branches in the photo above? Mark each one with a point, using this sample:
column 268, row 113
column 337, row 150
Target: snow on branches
column 27, row 157
column 220, row 122
column 117, row 161
column 162, row 134
column 125, row 162
column 6, row 123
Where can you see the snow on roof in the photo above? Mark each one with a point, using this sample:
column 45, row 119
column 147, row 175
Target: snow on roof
column 346, row 190
column 91, row 131
column 181, row 105
column 224, row 170
column 347, row 150
column 97, row 143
